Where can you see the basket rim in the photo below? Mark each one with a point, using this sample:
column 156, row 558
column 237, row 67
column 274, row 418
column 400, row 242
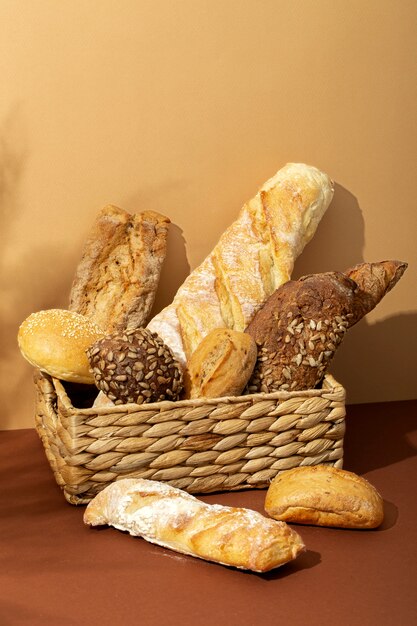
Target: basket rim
column 333, row 386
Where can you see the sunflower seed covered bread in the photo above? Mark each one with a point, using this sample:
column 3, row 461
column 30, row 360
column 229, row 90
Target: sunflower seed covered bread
column 301, row 325
column 135, row 366
column 323, row 495
column 172, row 518
column 253, row 257
column 117, row 277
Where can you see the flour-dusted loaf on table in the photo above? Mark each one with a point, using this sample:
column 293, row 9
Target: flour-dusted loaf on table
column 324, row 496
column 302, row 324
column 252, row 258
column 172, row 518
column 117, row 277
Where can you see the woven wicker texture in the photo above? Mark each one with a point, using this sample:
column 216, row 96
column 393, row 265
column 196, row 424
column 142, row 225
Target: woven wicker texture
column 200, row 446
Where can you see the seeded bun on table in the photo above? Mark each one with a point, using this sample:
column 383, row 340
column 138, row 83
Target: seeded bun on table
column 55, row 341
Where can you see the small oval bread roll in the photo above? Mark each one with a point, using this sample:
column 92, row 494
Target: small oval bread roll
column 323, row 495
column 221, row 365
column 55, row 341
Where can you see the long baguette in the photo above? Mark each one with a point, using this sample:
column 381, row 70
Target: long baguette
column 172, row 518
column 253, row 257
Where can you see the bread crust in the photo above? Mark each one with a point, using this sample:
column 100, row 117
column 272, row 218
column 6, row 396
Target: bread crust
column 254, row 256
column 172, row 518
column 117, row 277
column 221, row 365
column 55, row 341
column 323, row 495
column 302, row 324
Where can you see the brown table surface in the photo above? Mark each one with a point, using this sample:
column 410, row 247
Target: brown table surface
column 54, row 570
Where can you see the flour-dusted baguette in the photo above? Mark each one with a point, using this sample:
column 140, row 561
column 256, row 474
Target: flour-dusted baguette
column 172, row 518
column 324, row 496
column 252, row 258
column 118, row 274
column 302, row 324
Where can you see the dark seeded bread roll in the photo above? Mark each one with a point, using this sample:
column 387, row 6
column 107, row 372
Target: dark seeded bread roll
column 135, row 366
column 302, row 324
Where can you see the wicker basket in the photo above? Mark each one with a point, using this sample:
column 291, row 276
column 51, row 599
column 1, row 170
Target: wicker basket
column 200, row 446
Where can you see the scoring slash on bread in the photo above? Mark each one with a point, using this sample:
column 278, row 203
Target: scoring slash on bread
column 172, row 518
column 221, row 365
column 135, row 366
column 324, row 496
column 252, row 258
column 55, row 341
column 301, row 325
column 117, row 277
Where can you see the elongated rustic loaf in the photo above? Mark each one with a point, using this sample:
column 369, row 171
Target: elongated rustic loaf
column 118, row 274
column 324, row 496
column 174, row 519
column 303, row 322
column 253, row 257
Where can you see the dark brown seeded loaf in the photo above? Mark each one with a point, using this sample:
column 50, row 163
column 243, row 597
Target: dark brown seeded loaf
column 301, row 325
column 117, row 277
column 135, row 367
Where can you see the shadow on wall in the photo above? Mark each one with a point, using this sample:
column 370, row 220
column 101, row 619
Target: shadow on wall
column 385, row 347
column 33, row 280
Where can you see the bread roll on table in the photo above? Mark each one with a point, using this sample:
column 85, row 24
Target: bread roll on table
column 253, row 257
column 172, row 518
column 324, row 496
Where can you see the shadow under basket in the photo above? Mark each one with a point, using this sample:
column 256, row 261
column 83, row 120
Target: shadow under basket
column 201, row 446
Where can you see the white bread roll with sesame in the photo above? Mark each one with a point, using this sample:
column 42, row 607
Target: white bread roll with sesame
column 172, row 518
column 252, row 258
column 55, row 341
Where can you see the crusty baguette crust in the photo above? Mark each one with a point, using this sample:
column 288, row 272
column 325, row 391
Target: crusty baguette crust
column 323, row 495
column 172, row 518
column 253, row 257
column 118, row 275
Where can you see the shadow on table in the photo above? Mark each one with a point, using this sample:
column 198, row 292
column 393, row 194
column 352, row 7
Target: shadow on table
column 379, row 434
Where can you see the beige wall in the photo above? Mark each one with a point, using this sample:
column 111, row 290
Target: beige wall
column 186, row 107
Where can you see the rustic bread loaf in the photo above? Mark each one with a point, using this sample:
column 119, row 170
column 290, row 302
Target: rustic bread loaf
column 323, row 495
column 253, row 257
column 135, row 366
column 172, row 518
column 221, row 365
column 117, row 277
column 55, row 341
column 301, row 325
